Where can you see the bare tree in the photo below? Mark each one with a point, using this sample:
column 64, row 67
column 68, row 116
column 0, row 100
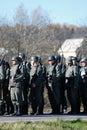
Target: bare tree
column 21, row 16
column 21, row 20
column 40, row 17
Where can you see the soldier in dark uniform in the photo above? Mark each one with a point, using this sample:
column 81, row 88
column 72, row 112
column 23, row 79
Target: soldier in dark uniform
column 6, row 93
column 43, row 81
column 76, row 63
column 54, row 85
column 60, row 63
column 26, row 71
column 2, row 77
column 36, row 80
column 72, row 79
column 83, row 83
column 15, row 85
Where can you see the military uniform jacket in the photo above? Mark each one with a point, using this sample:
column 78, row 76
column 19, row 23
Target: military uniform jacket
column 83, row 73
column 36, row 75
column 7, row 76
column 54, row 73
column 72, row 74
column 16, row 76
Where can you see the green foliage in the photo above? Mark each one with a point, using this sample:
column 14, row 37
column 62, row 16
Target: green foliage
column 49, row 125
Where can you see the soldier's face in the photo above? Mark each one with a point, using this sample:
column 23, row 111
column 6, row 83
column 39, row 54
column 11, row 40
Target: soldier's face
column 66, row 63
column 83, row 64
column 14, row 62
column 74, row 62
column 33, row 63
column 51, row 62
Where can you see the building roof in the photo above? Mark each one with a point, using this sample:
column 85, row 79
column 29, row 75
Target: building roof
column 70, row 45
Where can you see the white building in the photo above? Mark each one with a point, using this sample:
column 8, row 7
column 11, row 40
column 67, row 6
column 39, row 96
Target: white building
column 70, row 46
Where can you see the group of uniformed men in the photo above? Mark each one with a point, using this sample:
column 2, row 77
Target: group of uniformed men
column 23, row 84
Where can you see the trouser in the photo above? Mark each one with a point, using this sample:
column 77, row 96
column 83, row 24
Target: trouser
column 63, row 96
column 1, row 90
column 73, row 98
column 16, row 97
column 25, row 98
column 54, row 98
column 36, row 100
column 83, row 91
column 9, row 106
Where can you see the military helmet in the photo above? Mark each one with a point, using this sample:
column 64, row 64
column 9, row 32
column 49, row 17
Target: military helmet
column 70, row 57
column 39, row 59
column 17, row 59
column 84, row 59
column 58, row 58
column 13, row 58
column 74, row 58
column 69, row 60
column 50, row 58
column 34, row 58
column 22, row 55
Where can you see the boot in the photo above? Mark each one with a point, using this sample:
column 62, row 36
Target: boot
column 15, row 110
column 18, row 110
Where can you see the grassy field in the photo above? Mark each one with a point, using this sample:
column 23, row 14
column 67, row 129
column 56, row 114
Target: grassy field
column 52, row 125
